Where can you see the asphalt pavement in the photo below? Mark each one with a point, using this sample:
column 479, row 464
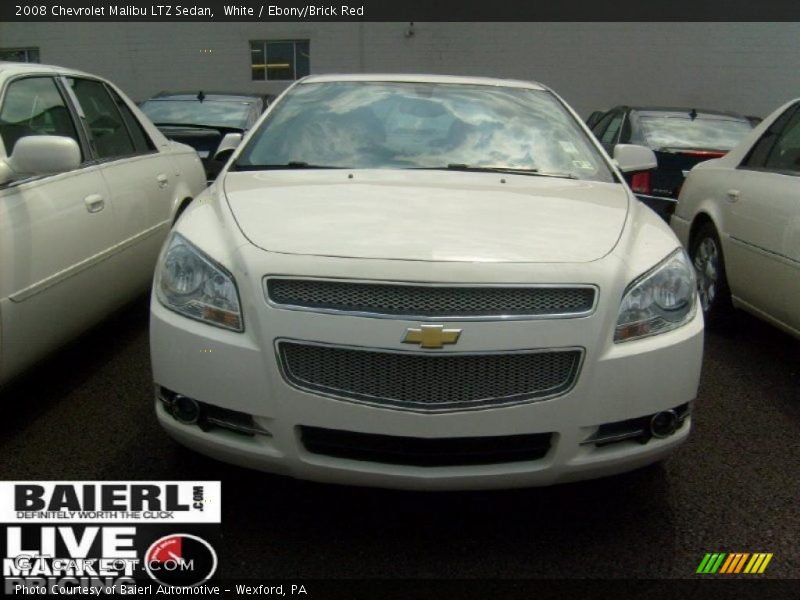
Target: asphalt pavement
column 86, row 413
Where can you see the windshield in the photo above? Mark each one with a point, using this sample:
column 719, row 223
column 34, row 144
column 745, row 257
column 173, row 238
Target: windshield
column 387, row 125
column 212, row 113
column 684, row 132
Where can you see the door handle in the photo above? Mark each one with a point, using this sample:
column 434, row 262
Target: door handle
column 162, row 180
column 733, row 195
column 94, row 203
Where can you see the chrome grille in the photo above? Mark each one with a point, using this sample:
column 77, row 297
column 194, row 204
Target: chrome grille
column 434, row 301
column 429, row 381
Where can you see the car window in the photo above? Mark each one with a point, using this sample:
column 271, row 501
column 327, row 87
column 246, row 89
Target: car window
column 762, row 149
column 141, row 141
column 424, row 125
column 682, row 131
column 594, row 118
column 610, row 134
column 785, row 154
column 109, row 134
column 211, row 113
column 255, row 112
column 601, row 125
column 34, row 106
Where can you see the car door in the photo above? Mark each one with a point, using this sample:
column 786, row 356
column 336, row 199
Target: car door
column 141, row 180
column 762, row 198
column 55, row 232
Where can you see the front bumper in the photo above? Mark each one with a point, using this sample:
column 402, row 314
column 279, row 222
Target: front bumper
column 240, row 372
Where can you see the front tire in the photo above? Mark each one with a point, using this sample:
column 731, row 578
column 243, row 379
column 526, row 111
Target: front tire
column 712, row 283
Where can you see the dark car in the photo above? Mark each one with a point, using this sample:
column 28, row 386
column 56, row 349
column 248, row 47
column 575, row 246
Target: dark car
column 211, row 122
column 594, row 118
column 680, row 138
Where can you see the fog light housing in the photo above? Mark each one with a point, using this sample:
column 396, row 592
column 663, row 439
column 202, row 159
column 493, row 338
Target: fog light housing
column 664, row 424
column 185, row 410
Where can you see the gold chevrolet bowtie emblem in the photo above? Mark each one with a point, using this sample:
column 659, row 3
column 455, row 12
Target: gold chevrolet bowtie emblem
column 431, row 336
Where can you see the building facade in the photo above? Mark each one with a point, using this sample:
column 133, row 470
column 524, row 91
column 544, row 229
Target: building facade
column 746, row 67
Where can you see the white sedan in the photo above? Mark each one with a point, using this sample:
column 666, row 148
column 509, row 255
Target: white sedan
column 739, row 217
column 88, row 191
column 425, row 282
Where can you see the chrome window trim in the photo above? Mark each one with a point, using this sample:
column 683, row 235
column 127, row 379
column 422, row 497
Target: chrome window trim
column 378, row 403
column 409, row 317
column 651, row 197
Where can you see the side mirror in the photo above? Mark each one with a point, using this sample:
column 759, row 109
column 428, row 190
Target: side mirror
column 40, row 155
column 630, row 158
column 228, row 143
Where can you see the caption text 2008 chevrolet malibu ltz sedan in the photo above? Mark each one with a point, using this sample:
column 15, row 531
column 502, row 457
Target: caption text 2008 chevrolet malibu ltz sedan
column 429, row 283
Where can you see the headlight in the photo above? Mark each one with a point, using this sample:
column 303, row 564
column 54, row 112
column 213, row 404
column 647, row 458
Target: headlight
column 661, row 300
column 192, row 284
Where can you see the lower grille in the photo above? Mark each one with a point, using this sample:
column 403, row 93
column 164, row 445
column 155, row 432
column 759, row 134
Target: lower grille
column 425, row 452
column 426, row 381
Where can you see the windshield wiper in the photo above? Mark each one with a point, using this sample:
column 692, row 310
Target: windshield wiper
column 685, row 149
column 292, row 164
column 491, row 169
column 223, row 128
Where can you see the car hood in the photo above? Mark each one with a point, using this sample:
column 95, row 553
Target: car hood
column 427, row 215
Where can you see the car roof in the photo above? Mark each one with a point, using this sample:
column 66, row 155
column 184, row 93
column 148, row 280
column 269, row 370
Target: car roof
column 417, row 78
column 215, row 96
column 685, row 111
column 8, row 68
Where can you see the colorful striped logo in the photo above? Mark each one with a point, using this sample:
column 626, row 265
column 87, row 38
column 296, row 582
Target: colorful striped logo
column 734, row 563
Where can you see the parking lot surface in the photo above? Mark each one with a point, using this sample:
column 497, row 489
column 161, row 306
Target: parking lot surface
column 87, row 413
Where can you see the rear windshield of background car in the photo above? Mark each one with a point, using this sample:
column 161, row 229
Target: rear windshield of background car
column 410, row 125
column 209, row 113
column 668, row 131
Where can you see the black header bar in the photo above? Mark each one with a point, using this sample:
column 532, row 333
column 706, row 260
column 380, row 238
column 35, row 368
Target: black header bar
column 398, row 10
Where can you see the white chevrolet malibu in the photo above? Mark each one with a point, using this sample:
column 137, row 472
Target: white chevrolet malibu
column 88, row 191
column 425, row 282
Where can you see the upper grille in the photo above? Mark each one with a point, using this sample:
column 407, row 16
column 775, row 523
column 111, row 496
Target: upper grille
column 426, row 381
column 431, row 301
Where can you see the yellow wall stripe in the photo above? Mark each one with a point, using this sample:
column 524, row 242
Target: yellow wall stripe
column 753, row 564
column 765, row 563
